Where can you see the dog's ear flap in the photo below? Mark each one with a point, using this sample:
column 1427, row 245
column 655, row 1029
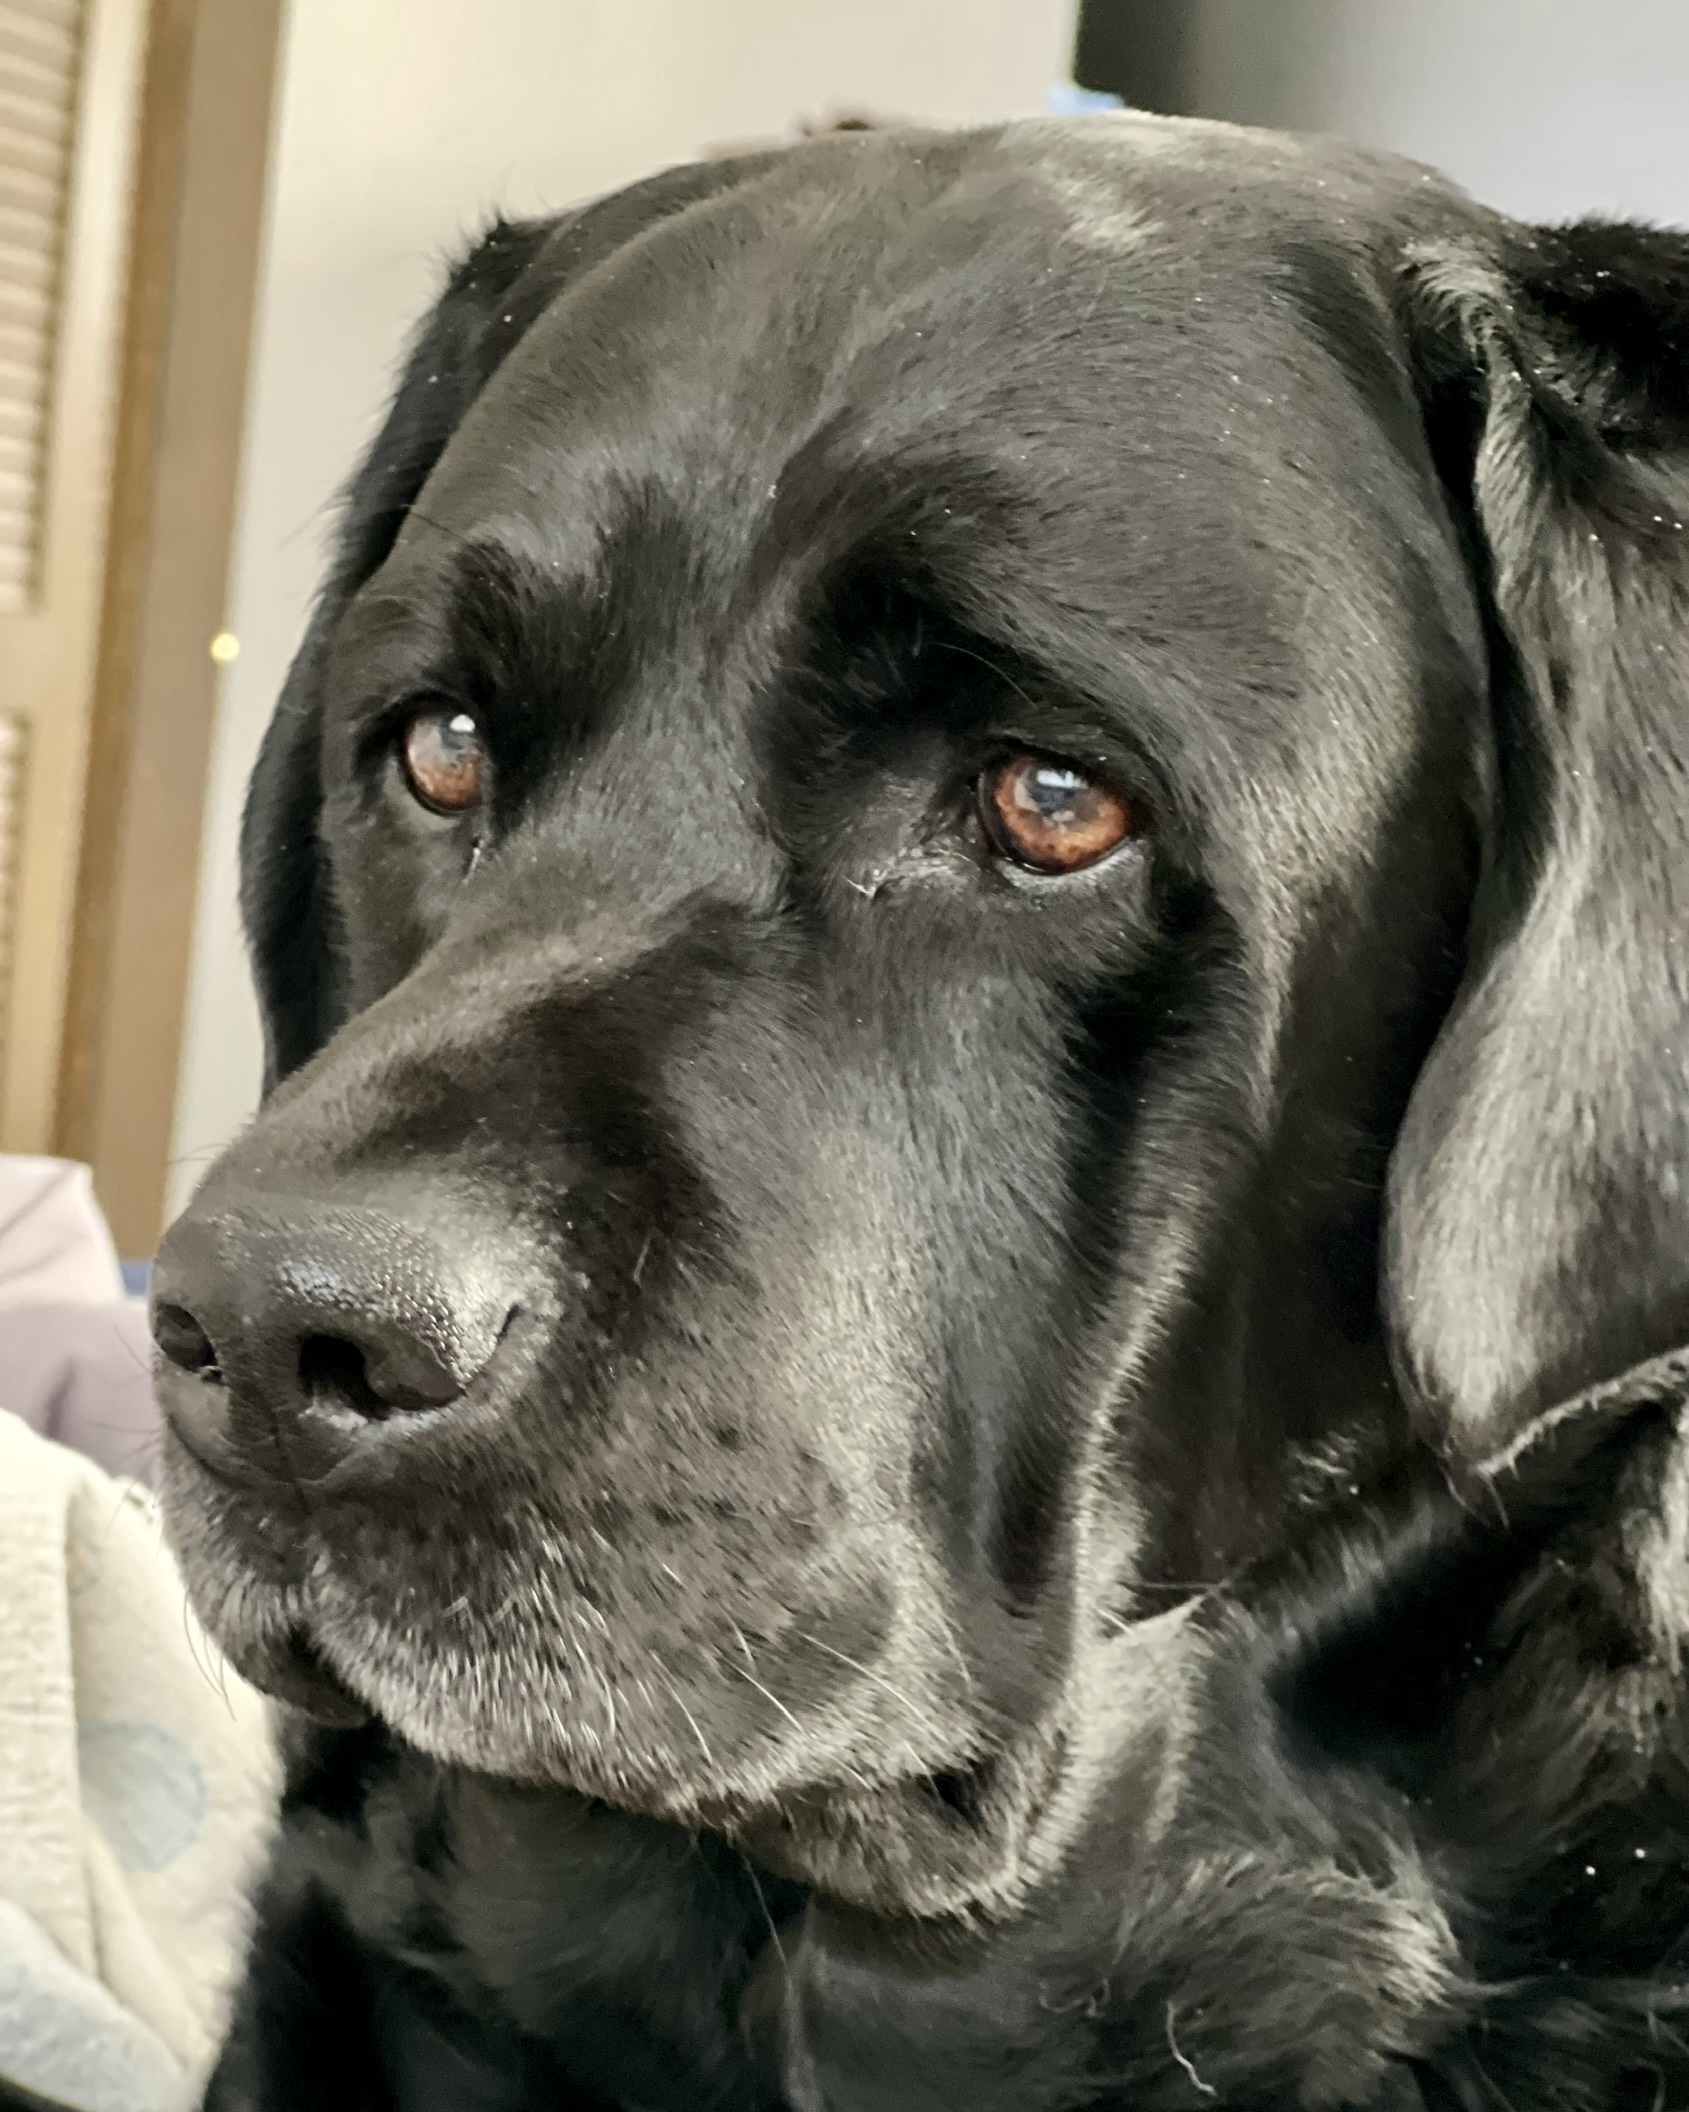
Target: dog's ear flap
column 284, row 900
column 1538, row 1221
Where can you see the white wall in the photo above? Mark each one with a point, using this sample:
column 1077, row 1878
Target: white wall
column 401, row 124
column 1546, row 108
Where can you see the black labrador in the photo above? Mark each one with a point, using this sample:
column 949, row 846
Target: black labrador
column 949, row 1364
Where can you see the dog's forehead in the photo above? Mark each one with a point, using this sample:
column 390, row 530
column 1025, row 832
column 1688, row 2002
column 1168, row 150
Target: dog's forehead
column 1141, row 284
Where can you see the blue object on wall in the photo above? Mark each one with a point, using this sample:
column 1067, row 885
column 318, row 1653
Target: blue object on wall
column 1066, row 100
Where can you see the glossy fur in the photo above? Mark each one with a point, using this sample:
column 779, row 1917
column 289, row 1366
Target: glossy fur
column 1084, row 1505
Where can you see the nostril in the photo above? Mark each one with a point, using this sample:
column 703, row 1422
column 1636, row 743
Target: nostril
column 335, row 1373
column 332, row 1373
column 181, row 1338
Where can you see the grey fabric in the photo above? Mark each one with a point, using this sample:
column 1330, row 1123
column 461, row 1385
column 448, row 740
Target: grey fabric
column 75, row 1353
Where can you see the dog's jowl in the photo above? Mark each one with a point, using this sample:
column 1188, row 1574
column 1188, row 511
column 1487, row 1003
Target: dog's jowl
column 947, row 1375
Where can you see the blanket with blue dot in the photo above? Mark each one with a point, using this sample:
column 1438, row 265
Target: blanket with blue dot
column 137, row 1783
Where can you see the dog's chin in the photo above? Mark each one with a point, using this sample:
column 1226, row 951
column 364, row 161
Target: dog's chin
column 923, row 1846
column 951, row 1839
column 290, row 1669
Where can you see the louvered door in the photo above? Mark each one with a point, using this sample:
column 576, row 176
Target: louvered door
column 69, row 93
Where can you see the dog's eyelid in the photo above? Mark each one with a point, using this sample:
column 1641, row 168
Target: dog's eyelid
column 375, row 718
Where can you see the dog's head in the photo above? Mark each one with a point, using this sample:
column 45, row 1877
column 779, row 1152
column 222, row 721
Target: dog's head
column 968, row 891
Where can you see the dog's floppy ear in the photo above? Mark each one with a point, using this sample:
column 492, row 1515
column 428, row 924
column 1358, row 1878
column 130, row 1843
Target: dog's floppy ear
column 283, row 900
column 1538, row 1228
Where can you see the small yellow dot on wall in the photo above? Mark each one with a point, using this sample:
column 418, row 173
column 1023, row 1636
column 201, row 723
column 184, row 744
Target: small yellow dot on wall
column 225, row 647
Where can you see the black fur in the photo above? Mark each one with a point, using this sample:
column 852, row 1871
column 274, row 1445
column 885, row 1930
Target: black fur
column 1088, row 1507
column 14, row 2098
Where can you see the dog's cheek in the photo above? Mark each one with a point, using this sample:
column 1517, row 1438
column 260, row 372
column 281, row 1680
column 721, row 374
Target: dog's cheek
column 897, row 1182
column 391, row 897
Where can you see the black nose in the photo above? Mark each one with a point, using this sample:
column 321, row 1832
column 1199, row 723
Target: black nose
column 291, row 1331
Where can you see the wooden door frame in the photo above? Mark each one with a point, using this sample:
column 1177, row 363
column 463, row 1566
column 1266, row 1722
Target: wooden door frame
column 202, row 166
column 49, row 632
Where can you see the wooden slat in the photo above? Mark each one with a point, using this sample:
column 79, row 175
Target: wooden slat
column 32, row 37
column 40, row 55
column 32, row 157
column 47, row 66
column 27, row 54
column 20, row 366
column 28, row 221
column 32, row 191
column 27, row 62
column 23, row 265
column 51, row 14
column 29, row 306
column 28, row 116
column 22, row 400
column 17, row 448
column 36, row 85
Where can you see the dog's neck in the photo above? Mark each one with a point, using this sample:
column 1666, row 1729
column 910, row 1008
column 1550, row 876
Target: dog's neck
column 1327, row 1824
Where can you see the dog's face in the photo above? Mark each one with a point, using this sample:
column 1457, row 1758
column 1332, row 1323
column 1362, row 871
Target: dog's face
column 874, row 832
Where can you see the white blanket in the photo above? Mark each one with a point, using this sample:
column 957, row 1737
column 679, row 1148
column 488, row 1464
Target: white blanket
column 137, row 1786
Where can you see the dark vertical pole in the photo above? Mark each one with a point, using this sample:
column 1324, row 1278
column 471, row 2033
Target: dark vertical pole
column 1140, row 50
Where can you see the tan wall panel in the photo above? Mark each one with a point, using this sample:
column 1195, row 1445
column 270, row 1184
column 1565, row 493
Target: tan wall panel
column 199, row 213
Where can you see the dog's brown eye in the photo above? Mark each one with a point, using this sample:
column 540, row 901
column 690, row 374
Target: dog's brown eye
column 1050, row 816
column 445, row 762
